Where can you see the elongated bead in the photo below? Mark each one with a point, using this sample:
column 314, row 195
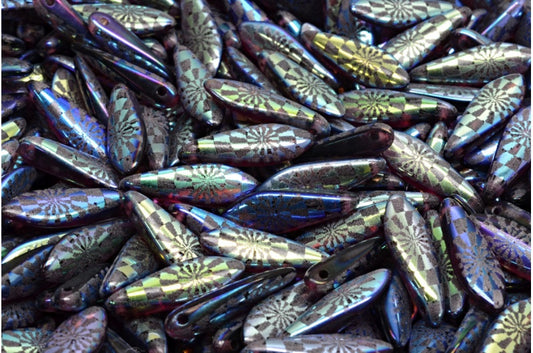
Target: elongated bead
column 64, row 85
column 397, row 109
column 412, row 248
column 513, row 253
column 503, row 27
column 112, row 36
column 455, row 296
column 199, row 33
column 67, row 163
column 490, row 110
column 482, row 155
column 200, row 184
column 299, row 84
column 208, row 312
column 447, row 92
column 416, row 43
column 62, row 208
column 265, row 107
column 258, row 249
column 368, row 65
column 365, row 141
column 170, row 240
column 173, row 285
column 413, row 159
column 477, row 269
column 199, row 220
column 513, row 156
column 133, row 262
column 141, row 20
column 91, row 244
column 256, row 145
column 270, row 317
column 484, row 64
column 336, row 175
column 157, row 137
column 349, row 262
column 322, row 343
column 191, row 74
column 258, row 36
column 399, row 14
column 70, row 124
column 510, row 331
column 20, row 314
column 341, row 303
column 510, row 213
column 84, row 331
column 93, row 93
column 126, row 134
column 290, row 210
column 25, row 279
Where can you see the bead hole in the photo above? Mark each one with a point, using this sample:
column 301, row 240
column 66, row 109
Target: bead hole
column 49, row 2
column 104, row 21
column 183, row 319
column 161, row 91
column 374, row 135
column 323, row 274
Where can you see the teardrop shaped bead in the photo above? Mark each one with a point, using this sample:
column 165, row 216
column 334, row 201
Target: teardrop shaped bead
column 140, row 19
column 25, row 279
column 244, row 70
column 170, row 240
column 197, row 219
column 95, row 97
column 395, row 311
column 484, row 63
column 191, row 74
column 285, row 211
column 262, row 106
column 416, row 161
column 413, row 45
column 199, row 33
column 511, row 215
column 503, row 27
column 204, row 185
column 259, row 250
column 70, row 124
column 370, row 139
column 513, row 254
column 84, row 331
column 489, row 111
column 397, row 109
column 399, row 14
column 67, row 163
column 258, row 36
column 340, row 304
column 335, row 175
column 206, row 313
column 364, row 222
column 62, row 208
column 412, row 248
column 513, row 155
column 477, row 269
column 126, row 134
column 82, row 247
column 13, row 68
column 508, row 225
column 319, row 343
column 510, row 331
column 270, row 317
column 368, row 65
column 350, row 262
column 113, row 37
column 133, row 262
column 300, row 85
column 255, row 145
column 173, row 285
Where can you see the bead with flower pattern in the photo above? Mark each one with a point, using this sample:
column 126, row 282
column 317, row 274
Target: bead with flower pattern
column 62, row 208
column 488, row 112
column 64, row 85
column 368, row 65
column 25, row 340
column 255, row 145
column 173, row 285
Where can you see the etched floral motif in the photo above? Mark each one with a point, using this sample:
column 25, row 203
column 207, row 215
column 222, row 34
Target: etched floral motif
column 195, row 275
